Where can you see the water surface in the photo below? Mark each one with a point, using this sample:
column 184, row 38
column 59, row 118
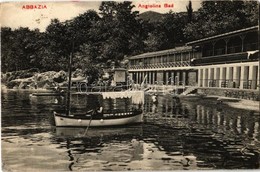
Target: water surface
column 190, row 135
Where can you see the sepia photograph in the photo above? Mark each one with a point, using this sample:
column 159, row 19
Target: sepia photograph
column 144, row 85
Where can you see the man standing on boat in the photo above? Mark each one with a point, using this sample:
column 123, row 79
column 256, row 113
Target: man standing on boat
column 59, row 91
column 87, row 77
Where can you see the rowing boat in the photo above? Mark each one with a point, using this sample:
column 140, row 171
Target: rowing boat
column 97, row 119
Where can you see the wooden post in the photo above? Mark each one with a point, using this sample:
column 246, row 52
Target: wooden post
column 69, row 83
column 258, row 45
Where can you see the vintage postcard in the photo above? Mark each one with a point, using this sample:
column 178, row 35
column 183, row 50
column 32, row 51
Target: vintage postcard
column 130, row 85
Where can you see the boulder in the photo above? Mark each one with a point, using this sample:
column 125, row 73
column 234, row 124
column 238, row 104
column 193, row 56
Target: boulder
column 77, row 73
column 20, row 83
column 12, row 84
column 60, row 77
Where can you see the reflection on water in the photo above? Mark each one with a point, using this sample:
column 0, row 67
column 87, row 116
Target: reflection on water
column 204, row 115
column 126, row 148
column 104, row 148
column 175, row 136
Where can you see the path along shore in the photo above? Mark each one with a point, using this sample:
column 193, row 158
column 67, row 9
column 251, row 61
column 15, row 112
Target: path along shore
column 246, row 104
column 239, row 103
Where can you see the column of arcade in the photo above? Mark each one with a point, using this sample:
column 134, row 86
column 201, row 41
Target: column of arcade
column 172, row 77
column 242, row 76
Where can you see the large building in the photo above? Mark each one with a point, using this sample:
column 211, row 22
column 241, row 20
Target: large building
column 228, row 60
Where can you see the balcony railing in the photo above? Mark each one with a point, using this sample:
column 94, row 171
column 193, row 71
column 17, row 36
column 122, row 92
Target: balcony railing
column 230, row 50
column 242, row 94
column 250, row 47
column 161, row 65
column 234, row 83
column 225, row 58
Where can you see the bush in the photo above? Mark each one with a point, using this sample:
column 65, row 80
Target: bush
column 60, row 77
column 12, row 84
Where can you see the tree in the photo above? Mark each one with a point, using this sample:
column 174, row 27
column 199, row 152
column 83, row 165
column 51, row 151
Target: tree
column 173, row 24
column 80, row 27
column 166, row 33
column 58, row 46
column 116, row 34
column 216, row 17
column 189, row 11
column 6, row 52
column 156, row 39
column 90, row 69
column 20, row 48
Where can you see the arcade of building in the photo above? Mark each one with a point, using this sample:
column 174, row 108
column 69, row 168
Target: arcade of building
column 228, row 60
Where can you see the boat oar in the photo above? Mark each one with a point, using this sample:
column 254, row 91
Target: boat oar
column 91, row 115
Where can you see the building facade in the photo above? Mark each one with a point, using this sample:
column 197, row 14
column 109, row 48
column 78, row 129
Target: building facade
column 227, row 60
column 168, row 67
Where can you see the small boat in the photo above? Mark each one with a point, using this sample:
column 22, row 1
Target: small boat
column 97, row 119
column 102, row 114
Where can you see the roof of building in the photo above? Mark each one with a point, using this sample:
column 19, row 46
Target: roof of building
column 119, row 69
column 223, row 35
column 163, row 52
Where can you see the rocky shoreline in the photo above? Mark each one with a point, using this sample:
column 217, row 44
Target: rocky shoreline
column 31, row 79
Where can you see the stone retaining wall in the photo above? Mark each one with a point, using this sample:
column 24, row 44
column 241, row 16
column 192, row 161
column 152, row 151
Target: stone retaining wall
column 231, row 92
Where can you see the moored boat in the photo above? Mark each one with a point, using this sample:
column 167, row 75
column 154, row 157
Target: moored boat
column 101, row 110
column 97, row 119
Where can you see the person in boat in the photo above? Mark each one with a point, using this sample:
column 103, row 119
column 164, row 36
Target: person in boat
column 59, row 98
column 99, row 112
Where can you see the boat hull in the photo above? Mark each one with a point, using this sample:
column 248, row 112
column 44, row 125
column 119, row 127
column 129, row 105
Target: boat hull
column 65, row 121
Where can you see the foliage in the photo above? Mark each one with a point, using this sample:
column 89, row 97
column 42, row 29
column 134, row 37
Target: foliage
column 116, row 35
column 216, row 17
column 155, row 40
column 63, row 37
column 105, row 39
column 189, row 11
column 166, row 33
column 20, row 48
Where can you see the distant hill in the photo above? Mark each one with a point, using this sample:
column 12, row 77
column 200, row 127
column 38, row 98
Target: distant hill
column 151, row 16
column 155, row 16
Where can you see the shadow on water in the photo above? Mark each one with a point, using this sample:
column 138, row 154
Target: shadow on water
column 175, row 136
